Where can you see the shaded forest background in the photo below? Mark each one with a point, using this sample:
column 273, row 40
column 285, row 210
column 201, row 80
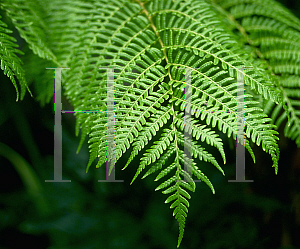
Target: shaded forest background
column 87, row 214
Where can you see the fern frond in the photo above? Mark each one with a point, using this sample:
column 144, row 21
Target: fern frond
column 200, row 132
column 290, row 85
column 275, row 33
column 180, row 196
column 267, row 8
column 155, row 151
column 148, row 131
column 146, row 43
column 11, row 64
column 28, row 21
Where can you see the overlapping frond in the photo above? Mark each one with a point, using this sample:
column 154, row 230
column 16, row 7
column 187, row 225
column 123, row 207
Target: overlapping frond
column 11, row 64
column 290, row 85
column 274, row 32
column 26, row 16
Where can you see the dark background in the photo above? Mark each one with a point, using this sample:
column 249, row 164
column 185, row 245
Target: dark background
column 88, row 214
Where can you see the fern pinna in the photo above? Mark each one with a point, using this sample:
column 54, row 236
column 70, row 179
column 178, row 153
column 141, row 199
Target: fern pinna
column 149, row 43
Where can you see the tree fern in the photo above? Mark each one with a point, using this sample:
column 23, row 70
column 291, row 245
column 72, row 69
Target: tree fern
column 149, row 44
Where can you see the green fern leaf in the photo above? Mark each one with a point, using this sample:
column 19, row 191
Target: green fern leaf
column 276, row 32
column 25, row 15
column 10, row 62
column 148, row 43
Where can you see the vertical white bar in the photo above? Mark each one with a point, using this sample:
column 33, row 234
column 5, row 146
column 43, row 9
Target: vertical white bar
column 57, row 128
column 240, row 140
column 110, row 162
column 110, row 123
column 187, row 123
